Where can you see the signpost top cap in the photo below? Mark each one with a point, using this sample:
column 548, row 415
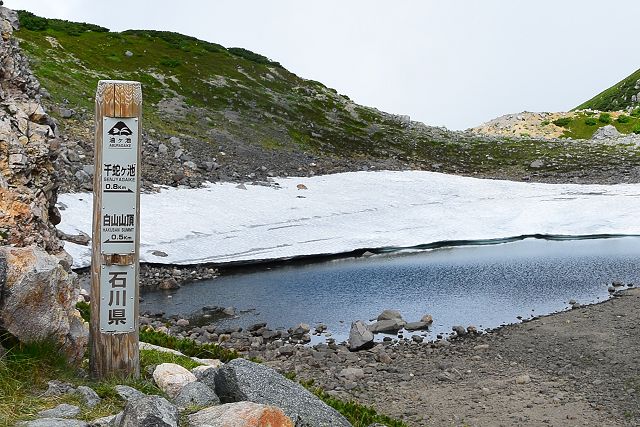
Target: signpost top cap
column 130, row 82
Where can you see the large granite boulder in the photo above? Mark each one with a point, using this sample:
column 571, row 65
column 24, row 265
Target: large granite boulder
column 242, row 380
column 171, row 378
column 38, row 297
column 240, row 414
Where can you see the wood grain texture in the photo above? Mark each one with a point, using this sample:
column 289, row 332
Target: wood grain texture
column 113, row 354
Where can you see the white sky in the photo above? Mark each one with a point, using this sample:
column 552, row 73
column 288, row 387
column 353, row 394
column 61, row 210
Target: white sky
column 456, row 63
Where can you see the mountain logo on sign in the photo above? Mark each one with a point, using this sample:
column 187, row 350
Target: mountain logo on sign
column 121, row 129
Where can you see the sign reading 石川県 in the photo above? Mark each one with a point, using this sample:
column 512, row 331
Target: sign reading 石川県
column 119, row 185
column 117, row 298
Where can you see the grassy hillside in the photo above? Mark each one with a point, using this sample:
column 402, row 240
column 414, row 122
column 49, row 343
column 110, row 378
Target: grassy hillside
column 621, row 96
column 231, row 100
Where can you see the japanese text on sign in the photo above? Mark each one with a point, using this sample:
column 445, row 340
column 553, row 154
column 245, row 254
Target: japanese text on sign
column 117, row 292
column 119, row 184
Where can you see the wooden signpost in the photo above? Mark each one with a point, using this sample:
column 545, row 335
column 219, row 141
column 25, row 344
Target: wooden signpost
column 116, row 230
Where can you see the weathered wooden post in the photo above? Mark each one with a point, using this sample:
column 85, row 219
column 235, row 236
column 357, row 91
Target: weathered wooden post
column 116, row 230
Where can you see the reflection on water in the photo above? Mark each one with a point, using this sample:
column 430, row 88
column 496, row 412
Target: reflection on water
column 484, row 286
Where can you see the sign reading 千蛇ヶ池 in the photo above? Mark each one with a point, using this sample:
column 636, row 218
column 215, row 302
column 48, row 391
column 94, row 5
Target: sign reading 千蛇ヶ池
column 119, row 185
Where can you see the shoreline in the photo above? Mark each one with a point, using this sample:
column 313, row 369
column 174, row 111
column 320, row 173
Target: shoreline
column 573, row 368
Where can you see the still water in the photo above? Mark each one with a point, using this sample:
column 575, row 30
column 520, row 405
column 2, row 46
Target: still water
column 485, row 286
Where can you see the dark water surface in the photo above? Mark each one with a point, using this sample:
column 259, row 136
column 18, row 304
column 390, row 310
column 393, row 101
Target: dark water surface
column 485, row 286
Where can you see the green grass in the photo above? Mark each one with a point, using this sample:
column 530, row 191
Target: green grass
column 275, row 109
column 615, row 98
column 187, row 346
column 583, row 126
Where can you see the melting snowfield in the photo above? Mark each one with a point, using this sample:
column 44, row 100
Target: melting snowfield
column 344, row 212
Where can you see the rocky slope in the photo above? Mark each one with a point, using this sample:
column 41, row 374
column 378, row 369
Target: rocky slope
column 218, row 114
column 38, row 291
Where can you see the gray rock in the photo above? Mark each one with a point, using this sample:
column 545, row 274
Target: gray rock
column 241, row 380
column 416, row 326
column 178, row 154
column 63, row 410
column 54, row 422
column 606, row 132
column 149, row 411
column 206, row 375
column 128, row 393
column 536, row 164
column 91, row 398
column 82, row 176
column 128, row 54
column 58, row 388
column 89, row 169
column 196, row 393
column 300, row 330
column 360, row 338
column 460, row 330
column 162, row 149
column 391, row 325
column 105, row 421
column 66, row 113
column 390, row 315
column 191, row 165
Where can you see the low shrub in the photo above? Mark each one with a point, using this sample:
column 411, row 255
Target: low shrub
column 636, row 129
column 171, row 63
column 562, row 122
column 605, row 118
column 623, row 118
column 590, row 121
column 636, row 112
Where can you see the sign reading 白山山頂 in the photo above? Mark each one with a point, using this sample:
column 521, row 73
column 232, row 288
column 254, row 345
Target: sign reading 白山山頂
column 118, row 187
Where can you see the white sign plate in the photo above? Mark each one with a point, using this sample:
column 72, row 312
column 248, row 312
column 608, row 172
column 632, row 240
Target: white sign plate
column 117, row 297
column 120, row 172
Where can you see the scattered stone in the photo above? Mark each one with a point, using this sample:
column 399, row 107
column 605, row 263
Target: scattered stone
column 390, row 315
column 170, row 378
column 416, row 326
column 170, row 283
column 240, row 414
column 59, row 388
column 149, row 411
column 427, row 319
column 91, row 398
column 523, row 379
column 128, row 393
column 301, row 187
column 196, row 394
column 147, row 346
column 417, row 338
column 360, row 338
column 536, row 164
column 459, row 330
column 241, row 380
column 128, row 53
column 105, row 421
column 54, row 422
column 391, row 325
column 352, row 374
column 63, row 410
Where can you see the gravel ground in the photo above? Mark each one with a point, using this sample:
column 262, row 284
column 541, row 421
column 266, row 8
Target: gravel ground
column 573, row 368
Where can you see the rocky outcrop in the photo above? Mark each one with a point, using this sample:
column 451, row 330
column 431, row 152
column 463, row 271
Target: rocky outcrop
column 38, row 299
column 39, row 291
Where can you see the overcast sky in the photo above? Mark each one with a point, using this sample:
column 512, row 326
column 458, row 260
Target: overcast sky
column 456, row 63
